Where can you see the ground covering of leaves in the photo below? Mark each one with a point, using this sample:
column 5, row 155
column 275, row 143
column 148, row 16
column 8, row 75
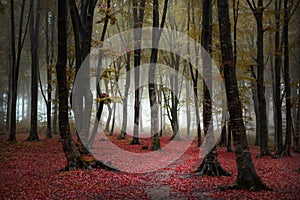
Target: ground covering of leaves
column 30, row 170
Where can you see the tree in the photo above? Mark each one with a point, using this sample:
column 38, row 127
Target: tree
column 210, row 164
column 138, row 17
column 194, row 75
column 34, row 26
column 247, row 177
column 15, row 65
column 127, row 84
column 82, row 28
column 151, row 75
column 49, row 20
column 277, row 90
column 72, row 154
column 257, row 10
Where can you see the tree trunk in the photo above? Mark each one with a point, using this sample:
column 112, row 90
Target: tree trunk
column 295, row 118
column 54, row 122
column 247, row 177
column 187, row 105
column 16, row 59
column 278, row 51
column 258, row 14
column 194, row 78
column 287, row 84
column 297, row 129
column 34, row 39
column 125, row 100
column 256, row 111
column 210, row 165
column 229, row 137
column 70, row 150
column 223, row 141
column 138, row 16
column 49, row 57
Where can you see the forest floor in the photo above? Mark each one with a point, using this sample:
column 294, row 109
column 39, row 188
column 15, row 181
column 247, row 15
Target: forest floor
column 30, row 170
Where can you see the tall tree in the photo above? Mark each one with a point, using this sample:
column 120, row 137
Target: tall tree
column 34, row 26
column 156, row 33
column 277, row 80
column 287, row 83
column 258, row 10
column 15, row 64
column 194, row 75
column 138, row 18
column 210, row 164
column 247, row 177
column 127, row 84
column 72, row 154
column 49, row 20
column 82, row 21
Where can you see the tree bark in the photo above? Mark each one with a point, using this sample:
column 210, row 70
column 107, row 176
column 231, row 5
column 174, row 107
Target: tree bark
column 210, row 165
column 258, row 14
column 48, row 16
column 34, row 39
column 125, row 100
column 287, row 84
column 15, row 64
column 247, row 177
column 71, row 152
column 278, row 51
column 138, row 16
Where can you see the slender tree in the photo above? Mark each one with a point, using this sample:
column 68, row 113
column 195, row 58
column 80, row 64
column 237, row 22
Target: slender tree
column 34, row 26
column 15, row 64
column 210, row 164
column 257, row 10
column 138, row 18
column 151, row 75
column 287, row 83
column 194, row 75
column 70, row 150
column 277, row 80
column 247, row 177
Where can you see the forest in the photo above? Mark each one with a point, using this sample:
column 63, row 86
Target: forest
column 149, row 99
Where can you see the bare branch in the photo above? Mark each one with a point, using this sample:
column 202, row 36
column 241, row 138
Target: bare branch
column 252, row 7
column 267, row 4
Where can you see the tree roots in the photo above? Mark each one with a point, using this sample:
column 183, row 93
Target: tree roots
column 211, row 169
column 250, row 185
column 89, row 165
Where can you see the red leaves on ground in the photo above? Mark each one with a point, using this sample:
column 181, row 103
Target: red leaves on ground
column 30, row 170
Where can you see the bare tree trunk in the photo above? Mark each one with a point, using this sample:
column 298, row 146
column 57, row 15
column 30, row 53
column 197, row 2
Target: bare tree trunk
column 247, row 177
column 296, row 129
column 125, row 100
column 34, row 39
column 138, row 17
column 278, row 50
column 288, row 135
column 70, row 150
column 195, row 78
column 16, row 59
column 48, row 19
column 258, row 10
column 210, row 165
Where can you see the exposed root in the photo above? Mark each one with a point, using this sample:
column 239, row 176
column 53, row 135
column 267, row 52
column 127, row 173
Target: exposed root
column 135, row 141
column 211, row 169
column 263, row 154
column 122, row 135
column 250, row 185
column 89, row 165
